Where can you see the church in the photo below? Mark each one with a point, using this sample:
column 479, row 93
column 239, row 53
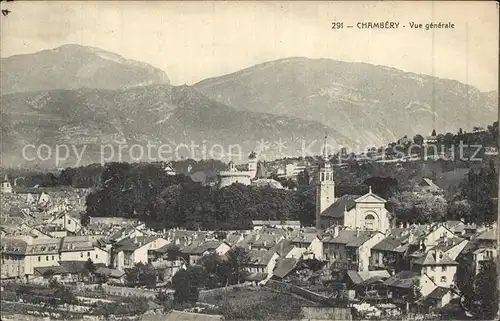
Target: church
column 365, row 212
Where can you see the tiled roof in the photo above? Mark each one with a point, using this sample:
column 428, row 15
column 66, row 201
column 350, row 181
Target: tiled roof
column 261, row 257
column 338, row 207
column 76, row 243
column 110, row 272
column 490, row 235
column 349, row 238
column 13, row 246
column 283, row 247
column 135, row 243
column 432, row 258
column 404, row 279
column 284, row 266
column 438, row 293
column 360, row 277
column 44, row 246
column 75, row 267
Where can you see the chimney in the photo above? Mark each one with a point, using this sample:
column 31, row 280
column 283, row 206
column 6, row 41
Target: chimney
column 445, row 239
column 250, row 246
column 410, row 238
column 437, row 253
column 357, row 231
column 257, row 237
column 387, row 232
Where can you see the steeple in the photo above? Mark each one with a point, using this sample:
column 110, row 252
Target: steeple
column 325, row 187
column 326, row 163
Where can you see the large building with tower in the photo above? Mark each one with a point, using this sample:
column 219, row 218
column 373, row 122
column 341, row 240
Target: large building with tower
column 365, row 212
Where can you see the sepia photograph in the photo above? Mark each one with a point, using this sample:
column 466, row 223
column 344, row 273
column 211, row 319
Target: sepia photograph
column 249, row 160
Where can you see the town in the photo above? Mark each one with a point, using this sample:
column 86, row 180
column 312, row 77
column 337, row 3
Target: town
column 353, row 257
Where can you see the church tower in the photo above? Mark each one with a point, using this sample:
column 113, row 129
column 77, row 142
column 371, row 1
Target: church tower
column 252, row 165
column 6, row 187
column 325, row 187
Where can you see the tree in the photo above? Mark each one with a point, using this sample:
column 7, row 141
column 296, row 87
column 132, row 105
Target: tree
column 219, row 272
column 173, row 252
column 418, row 140
column 418, row 207
column 142, row 275
column 186, row 289
column 482, row 300
column 238, row 259
column 90, row 267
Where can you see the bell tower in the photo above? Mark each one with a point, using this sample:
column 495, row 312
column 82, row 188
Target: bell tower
column 325, row 187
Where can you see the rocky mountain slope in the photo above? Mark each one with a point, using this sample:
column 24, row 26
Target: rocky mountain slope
column 373, row 104
column 156, row 114
column 73, row 67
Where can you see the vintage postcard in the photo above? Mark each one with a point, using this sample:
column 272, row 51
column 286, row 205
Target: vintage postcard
column 249, row 160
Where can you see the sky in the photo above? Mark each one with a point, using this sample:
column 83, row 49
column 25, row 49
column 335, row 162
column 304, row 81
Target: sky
column 192, row 41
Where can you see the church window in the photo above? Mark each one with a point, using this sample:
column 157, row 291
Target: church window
column 370, row 222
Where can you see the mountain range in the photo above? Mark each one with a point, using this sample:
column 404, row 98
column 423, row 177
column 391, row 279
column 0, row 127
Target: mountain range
column 82, row 96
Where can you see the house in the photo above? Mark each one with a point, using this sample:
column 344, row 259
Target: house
column 194, row 251
column 395, row 250
column 114, row 277
column 438, row 267
column 41, row 253
column 67, row 222
column 438, row 298
column 369, row 283
column 13, row 258
column 409, row 286
column 77, row 248
column 128, row 252
column 349, row 250
column 261, row 265
column 284, row 267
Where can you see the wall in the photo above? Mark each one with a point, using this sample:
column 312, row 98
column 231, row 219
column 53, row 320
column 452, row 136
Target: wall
column 326, row 313
column 287, row 287
column 125, row 291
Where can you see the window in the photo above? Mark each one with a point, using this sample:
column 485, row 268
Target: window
column 443, row 279
column 433, row 268
column 370, row 222
column 88, row 254
column 39, row 258
column 69, row 221
column 96, row 256
column 52, row 257
column 443, row 268
column 81, row 254
column 322, row 176
column 47, row 258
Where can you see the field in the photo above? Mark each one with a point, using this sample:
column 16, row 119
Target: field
column 257, row 304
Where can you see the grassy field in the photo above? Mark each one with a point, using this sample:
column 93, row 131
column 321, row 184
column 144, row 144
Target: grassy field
column 257, row 304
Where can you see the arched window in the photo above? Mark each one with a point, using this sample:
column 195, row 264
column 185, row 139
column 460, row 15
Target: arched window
column 370, row 222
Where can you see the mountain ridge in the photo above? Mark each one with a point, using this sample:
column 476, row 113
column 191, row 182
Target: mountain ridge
column 75, row 66
column 316, row 89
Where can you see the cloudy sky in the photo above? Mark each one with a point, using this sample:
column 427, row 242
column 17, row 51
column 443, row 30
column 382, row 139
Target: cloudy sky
column 196, row 40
